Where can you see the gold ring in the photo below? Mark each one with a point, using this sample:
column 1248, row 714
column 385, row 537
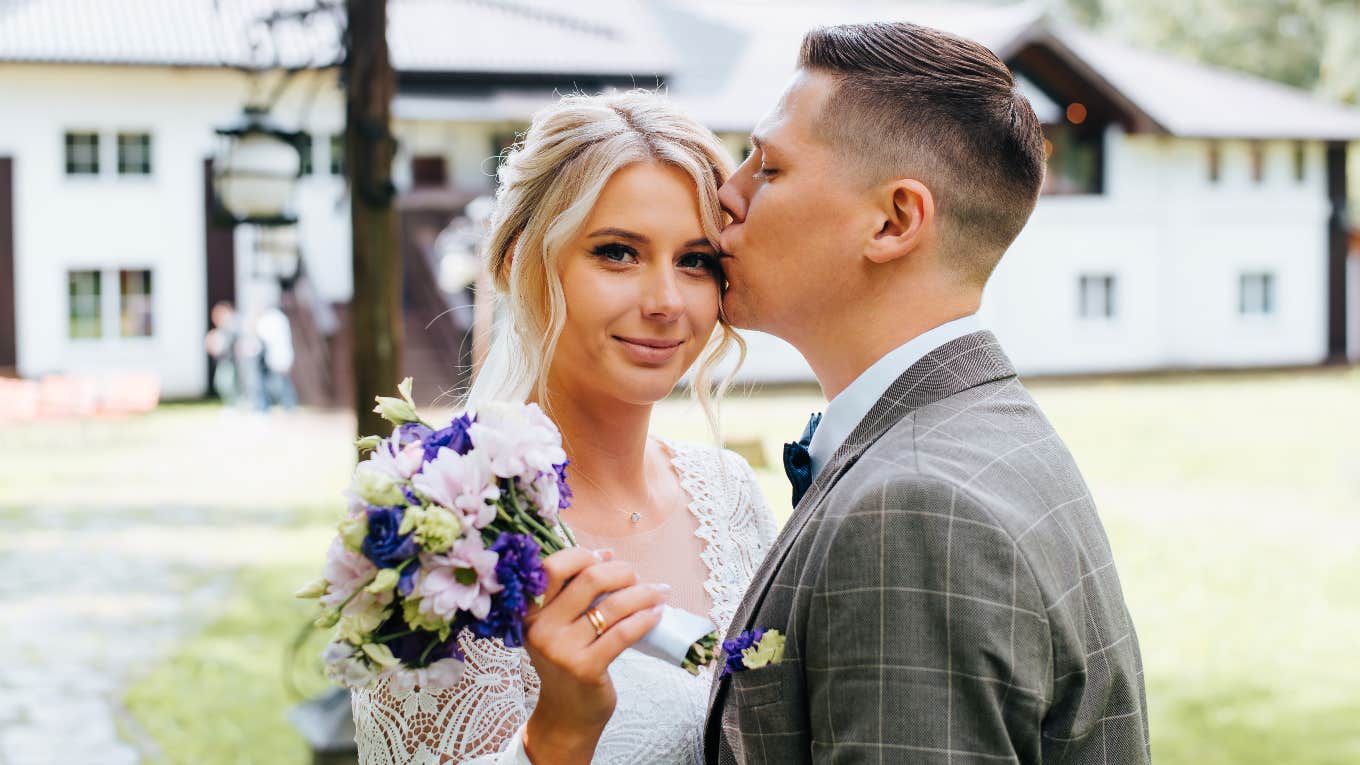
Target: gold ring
column 597, row 621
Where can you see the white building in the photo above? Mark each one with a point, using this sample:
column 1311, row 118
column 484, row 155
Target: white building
column 1194, row 218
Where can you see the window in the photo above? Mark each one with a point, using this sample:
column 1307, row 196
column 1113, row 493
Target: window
column 1215, row 163
column 1256, row 294
column 82, row 154
column 428, row 171
column 338, row 154
column 84, row 304
column 134, row 302
column 305, row 150
column 134, row 154
column 1074, row 156
column 1097, row 296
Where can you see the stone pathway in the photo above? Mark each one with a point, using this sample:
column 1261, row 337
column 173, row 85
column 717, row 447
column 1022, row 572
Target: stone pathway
column 118, row 540
column 84, row 613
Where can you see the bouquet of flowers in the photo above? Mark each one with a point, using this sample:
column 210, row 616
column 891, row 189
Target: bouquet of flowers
column 446, row 531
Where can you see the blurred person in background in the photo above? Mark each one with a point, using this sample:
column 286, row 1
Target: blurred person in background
column 276, row 337
column 221, row 346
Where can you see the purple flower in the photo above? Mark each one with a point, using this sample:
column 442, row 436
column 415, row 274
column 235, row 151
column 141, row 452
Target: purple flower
column 412, row 432
column 732, row 659
column 409, row 648
column 564, row 494
column 406, row 582
column 454, row 436
column 383, row 545
column 520, row 572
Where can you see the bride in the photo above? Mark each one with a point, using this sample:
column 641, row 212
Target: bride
column 602, row 252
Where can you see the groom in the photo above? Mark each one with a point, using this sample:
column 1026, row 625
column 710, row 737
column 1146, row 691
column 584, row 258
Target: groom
column 945, row 588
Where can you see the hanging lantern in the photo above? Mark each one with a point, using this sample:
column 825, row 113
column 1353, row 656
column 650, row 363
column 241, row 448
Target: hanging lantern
column 256, row 172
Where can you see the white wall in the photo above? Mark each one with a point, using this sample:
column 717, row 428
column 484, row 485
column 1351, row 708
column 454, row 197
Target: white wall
column 1177, row 244
column 113, row 221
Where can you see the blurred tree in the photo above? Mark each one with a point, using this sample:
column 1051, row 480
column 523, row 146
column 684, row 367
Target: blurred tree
column 1309, row 44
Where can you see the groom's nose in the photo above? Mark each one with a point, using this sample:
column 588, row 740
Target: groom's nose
column 733, row 198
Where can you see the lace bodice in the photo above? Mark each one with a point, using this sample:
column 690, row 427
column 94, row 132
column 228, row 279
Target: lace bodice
column 660, row 712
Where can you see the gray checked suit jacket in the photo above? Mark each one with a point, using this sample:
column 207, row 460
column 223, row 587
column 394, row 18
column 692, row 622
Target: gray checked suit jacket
column 946, row 591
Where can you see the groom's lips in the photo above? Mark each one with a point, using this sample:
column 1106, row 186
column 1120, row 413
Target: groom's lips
column 649, row 351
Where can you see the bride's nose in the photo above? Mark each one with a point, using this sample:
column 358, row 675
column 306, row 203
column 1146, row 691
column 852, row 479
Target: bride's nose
column 661, row 298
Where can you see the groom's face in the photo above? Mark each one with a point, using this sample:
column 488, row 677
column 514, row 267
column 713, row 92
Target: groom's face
column 797, row 219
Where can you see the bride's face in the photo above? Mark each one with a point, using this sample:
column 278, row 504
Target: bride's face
column 641, row 287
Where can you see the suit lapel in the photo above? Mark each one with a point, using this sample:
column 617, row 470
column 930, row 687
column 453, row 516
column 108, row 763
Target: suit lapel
column 952, row 368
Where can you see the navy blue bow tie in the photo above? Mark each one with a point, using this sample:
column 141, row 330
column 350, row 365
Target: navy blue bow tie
column 797, row 460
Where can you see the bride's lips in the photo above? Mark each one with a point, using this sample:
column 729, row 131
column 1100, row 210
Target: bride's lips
column 649, row 351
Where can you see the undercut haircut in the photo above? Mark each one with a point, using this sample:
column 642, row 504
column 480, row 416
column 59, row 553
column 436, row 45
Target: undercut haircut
column 913, row 102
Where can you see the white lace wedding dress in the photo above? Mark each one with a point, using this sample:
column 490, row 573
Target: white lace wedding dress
column 660, row 712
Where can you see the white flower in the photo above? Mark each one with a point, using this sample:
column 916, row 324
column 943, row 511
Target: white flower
column 544, row 494
column 346, row 666
column 463, row 483
column 441, row 675
column 375, row 486
column 518, row 439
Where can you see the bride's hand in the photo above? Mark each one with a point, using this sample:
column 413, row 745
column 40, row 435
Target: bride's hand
column 576, row 698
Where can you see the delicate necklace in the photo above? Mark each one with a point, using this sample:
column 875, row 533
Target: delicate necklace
column 634, row 516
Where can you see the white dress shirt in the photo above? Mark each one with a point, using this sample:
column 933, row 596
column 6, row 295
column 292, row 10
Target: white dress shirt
column 850, row 405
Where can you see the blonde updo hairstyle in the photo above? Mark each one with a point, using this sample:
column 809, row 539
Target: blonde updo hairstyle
column 549, row 183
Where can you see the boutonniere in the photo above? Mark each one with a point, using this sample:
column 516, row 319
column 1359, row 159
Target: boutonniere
column 752, row 649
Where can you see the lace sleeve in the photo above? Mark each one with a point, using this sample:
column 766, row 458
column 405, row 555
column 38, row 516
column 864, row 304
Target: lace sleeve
column 477, row 722
column 751, row 510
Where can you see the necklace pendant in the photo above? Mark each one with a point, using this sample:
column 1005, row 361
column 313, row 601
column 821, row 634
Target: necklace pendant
column 635, row 517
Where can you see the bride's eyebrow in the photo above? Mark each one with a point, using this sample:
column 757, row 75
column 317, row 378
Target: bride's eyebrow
column 634, row 236
column 621, row 233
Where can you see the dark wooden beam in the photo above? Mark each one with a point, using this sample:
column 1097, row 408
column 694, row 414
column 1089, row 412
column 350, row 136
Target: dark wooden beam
column 219, row 254
column 1337, row 244
column 9, row 342
column 376, row 310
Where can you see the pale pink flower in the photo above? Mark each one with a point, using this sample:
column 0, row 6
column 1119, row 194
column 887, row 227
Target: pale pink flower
column 463, row 483
column 345, row 572
column 440, row 592
column 398, row 462
column 518, row 439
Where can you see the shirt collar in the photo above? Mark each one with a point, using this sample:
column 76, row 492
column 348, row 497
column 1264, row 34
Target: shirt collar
column 852, row 404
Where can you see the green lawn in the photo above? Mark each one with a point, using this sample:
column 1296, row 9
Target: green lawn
column 1233, row 505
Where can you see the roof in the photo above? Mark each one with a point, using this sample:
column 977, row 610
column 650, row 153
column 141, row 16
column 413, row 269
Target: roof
column 606, row 37
column 737, row 67
column 725, row 60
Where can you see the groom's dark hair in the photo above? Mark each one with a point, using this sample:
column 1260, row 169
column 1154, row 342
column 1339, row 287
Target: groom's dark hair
column 915, row 102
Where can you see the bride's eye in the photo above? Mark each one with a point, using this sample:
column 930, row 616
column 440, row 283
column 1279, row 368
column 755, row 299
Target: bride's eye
column 701, row 261
column 615, row 252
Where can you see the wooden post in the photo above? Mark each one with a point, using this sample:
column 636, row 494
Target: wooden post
column 376, row 310
column 1337, row 245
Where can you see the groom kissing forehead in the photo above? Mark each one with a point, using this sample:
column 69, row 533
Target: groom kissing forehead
column 944, row 590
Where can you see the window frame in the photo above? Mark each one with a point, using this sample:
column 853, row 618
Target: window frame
column 70, row 166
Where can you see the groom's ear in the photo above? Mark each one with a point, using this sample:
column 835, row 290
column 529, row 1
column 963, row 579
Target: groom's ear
column 906, row 217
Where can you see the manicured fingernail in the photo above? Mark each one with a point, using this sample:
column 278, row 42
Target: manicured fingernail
column 658, row 609
column 605, row 554
column 662, row 587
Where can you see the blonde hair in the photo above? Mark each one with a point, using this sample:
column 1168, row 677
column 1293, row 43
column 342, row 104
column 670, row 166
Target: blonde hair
column 549, row 183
